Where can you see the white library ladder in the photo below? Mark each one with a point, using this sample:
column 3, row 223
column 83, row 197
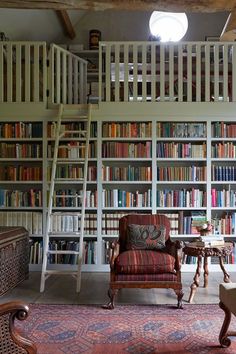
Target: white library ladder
column 67, row 223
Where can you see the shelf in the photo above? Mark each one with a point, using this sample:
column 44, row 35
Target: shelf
column 102, row 219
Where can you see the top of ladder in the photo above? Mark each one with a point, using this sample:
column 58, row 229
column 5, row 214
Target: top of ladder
column 75, row 111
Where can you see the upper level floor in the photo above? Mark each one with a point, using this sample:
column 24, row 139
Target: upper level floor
column 30, row 72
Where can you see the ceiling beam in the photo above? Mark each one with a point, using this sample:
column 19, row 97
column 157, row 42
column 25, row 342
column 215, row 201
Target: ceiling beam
column 66, row 23
column 146, row 5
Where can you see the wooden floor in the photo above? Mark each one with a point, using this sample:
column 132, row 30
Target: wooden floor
column 61, row 290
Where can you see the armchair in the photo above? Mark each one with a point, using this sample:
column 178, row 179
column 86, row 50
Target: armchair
column 11, row 342
column 228, row 305
column 144, row 256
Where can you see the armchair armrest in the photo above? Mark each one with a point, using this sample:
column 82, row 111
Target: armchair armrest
column 174, row 248
column 115, row 246
column 11, row 339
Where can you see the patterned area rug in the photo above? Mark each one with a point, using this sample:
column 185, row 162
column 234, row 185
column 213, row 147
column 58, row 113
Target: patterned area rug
column 129, row 329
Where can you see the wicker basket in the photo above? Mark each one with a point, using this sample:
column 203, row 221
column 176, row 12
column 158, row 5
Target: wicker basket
column 14, row 257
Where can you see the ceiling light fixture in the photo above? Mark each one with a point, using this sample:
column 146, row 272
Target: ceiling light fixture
column 168, row 26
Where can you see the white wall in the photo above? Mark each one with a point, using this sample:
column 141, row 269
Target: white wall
column 114, row 25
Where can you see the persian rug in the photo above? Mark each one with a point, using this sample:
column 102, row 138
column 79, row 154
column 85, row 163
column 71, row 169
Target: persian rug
column 128, row 329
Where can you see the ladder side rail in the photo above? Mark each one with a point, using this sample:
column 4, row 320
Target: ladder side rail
column 49, row 211
column 83, row 207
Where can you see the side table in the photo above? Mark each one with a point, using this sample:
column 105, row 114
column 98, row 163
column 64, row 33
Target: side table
column 192, row 249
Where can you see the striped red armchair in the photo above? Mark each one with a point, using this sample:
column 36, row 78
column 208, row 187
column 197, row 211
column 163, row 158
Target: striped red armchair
column 144, row 256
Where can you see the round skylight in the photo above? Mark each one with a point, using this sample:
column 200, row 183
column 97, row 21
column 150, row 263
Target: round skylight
column 168, row 26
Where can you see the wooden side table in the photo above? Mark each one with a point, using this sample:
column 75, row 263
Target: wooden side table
column 192, row 249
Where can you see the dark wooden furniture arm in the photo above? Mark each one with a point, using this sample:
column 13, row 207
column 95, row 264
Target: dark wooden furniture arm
column 174, row 248
column 115, row 246
column 17, row 310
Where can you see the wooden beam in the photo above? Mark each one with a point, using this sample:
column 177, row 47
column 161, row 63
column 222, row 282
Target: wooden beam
column 145, row 5
column 66, row 23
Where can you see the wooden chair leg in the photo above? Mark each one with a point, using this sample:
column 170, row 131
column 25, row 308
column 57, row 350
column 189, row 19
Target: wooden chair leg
column 223, row 337
column 111, row 304
column 180, row 294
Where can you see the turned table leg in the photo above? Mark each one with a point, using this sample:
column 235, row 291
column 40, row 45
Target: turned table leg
column 206, row 272
column 226, row 275
column 195, row 283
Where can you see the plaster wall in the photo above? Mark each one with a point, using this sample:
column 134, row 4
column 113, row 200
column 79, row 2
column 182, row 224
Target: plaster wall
column 114, row 25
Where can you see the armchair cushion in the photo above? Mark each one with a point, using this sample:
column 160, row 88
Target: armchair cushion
column 145, row 262
column 142, row 237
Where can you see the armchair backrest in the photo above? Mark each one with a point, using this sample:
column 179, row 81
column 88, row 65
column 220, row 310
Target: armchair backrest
column 141, row 219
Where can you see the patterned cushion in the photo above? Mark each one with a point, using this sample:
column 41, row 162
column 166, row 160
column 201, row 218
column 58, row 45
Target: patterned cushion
column 144, row 262
column 144, row 237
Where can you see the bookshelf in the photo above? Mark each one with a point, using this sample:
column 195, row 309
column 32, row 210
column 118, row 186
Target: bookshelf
column 183, row 166
column 21, row 175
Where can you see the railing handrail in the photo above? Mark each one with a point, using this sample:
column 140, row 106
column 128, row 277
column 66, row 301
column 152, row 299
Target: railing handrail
column 68, row 84
column 63, row 50
column 174, row 71
column 103, row 43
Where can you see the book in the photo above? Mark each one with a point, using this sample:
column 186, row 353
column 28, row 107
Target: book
column 210, row 243
column 211, row 238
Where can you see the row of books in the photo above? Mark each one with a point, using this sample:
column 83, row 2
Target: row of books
column 180, row 150
column 110, row 222
column 223, row 150
column 73, row 171
column 223, row 173
column 32, row 221
column 181, row 130
column 192, row 198
column 51, row 128
column 21, row 130
column 120, row 198
column 189, row 224
column 66, row 223
column 127, row 130
column 73, row 150
column 20, row 173
column 18, row 198
column 223, row 130
column 114, row 149
column 181, row 173
column 89, row 252
column 223, row 198
column 73, row 197
column 8, row 150
column 127, row 173
column 226, row 225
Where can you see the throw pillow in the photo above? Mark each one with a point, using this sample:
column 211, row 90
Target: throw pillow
column 143, row 237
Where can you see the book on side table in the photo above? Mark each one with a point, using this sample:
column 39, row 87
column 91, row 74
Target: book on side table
column 210, row 240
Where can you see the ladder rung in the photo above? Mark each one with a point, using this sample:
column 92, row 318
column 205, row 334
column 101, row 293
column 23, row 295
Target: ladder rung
column 81, row 117
column 66, row 196
column 64, row 234
column 69, row 147
column 63, row 252
column 70, row 160
column 74, row 131
column 65, row 272
column 66, row 213
column 69, row 179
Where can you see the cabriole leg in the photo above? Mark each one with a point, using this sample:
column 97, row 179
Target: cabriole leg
column 111, row 304
column 223, row 338
column 180, row 295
